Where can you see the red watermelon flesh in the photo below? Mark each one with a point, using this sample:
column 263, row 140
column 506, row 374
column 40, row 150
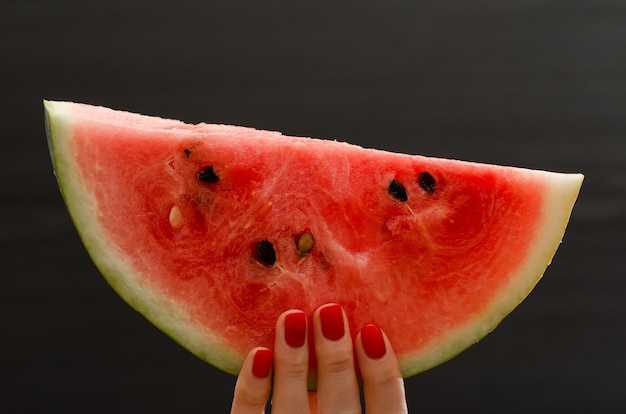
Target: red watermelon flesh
column 212, row 231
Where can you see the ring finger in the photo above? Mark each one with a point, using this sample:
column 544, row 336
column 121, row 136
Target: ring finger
column 291, row 364
column 337, row 386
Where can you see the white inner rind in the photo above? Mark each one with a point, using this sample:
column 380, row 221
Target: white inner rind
column 170, row 317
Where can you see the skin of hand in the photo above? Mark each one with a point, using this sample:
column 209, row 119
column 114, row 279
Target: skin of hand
column 337, row 384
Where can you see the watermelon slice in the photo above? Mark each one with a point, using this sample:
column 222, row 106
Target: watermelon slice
column 212, row 231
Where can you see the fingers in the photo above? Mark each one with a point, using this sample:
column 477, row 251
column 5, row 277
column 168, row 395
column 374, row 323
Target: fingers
column 254, row 383
column 383, row 386
column 337, row 386
column 291, row 364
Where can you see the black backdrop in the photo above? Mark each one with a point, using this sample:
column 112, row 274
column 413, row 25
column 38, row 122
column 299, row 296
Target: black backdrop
column 532, row 83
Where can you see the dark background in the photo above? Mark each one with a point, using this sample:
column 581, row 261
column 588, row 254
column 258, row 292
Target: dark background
column 532, row 83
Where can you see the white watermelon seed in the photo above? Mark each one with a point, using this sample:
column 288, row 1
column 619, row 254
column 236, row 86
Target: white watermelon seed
column 305, row 243
column 176, row 217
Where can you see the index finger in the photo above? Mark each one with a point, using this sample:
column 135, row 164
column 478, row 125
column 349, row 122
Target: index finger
column 383, row 386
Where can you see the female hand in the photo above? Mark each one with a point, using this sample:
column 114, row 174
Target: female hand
column 337, row 384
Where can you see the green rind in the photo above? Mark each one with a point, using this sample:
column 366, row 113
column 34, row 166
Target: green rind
column 561, row 195
column 164, row 314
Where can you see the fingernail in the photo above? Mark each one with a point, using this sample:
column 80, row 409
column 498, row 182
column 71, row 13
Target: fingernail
column 295, row 329
column 332, row 322
column 373, row 341
column 262, row 364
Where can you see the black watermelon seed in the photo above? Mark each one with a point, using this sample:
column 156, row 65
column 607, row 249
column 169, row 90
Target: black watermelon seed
column 265, row 252
column 187, row 152
column 208, row 175
column 427, row 182
column 397, row 191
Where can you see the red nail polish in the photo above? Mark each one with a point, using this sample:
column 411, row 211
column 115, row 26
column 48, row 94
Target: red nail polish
column 332, row 322
column 295, row 329
column 373, row 341
column 262, row 364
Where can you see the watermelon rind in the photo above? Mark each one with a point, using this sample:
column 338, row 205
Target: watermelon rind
column 115, row 265
column 562, row 191
column 561, row 195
